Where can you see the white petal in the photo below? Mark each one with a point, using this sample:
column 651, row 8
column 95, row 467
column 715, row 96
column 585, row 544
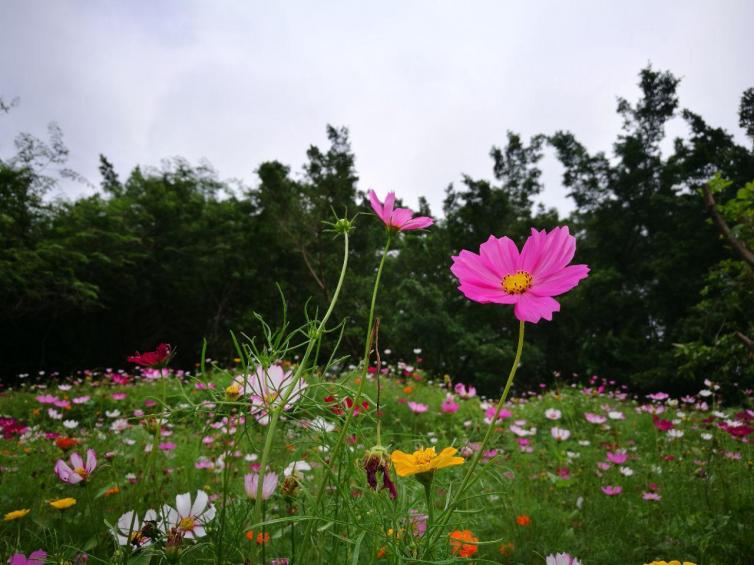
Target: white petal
column 183, row 504
column 200, row 503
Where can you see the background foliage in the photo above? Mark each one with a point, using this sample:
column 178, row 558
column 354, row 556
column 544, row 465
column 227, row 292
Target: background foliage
column 176, row 254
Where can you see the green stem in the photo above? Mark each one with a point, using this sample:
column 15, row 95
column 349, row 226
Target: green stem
column 430, row 512
column 445, row 516
column 298, row 375
column 365, row 367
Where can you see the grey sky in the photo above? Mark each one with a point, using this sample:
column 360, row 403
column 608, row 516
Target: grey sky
column 426, row 87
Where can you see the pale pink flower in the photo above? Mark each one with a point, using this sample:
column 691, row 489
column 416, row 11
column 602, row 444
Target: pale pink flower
column 417, row 407
column 560, row 434
column 400, row 219
column 594, row 418
column 612, row 490
column 267, row 388
column 561, row 559
column 653, row 496
column 527, row 280
column 465, row 392
column 552, row 414
column 269, row 483
column 78, row 471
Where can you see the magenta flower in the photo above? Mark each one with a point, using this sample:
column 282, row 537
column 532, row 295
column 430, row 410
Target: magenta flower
column 269, row 483
column 618, row 457
column 502, row 414
column 527, row 280
column 35, row 557
column 400, row 219
column 449, row 405
column 417, row 407
column 612, row 490
column 78, row 470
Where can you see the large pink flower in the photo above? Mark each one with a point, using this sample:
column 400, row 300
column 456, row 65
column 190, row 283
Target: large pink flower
column 399, row 218
column 78, row 470
column 528, row 280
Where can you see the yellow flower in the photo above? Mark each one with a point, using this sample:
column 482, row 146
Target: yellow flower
column 63, row 503
column 16, row 514
column 675, row 562
column 424, row 461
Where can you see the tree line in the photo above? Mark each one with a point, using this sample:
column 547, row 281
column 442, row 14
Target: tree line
column 176, row 254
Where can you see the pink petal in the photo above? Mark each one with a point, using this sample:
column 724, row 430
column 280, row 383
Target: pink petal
column 91, row 460
column 418, row 223
column 560, row 281
column 400, row 216
column 76, row 461
column 387, row 211
column 376, row 204
column 531, row 308
column 500, row 256
column 469, row 268
column 558, row 249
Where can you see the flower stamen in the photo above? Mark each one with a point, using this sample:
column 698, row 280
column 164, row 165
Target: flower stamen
column 517, row 283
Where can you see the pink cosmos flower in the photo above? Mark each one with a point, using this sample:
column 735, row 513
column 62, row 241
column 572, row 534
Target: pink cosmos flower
column 418, row 522
column 594, row 418
column 417, row 407
column 653, row 496
column 269, row 483
column 612, row 490
column 78, row 471
column 658, row 396
column 528, row 280
column 489, row 414
column 561, row 559
column 560, row 434
column 267, row 387
column 449, row 405
column 157, row 358
column 400, row 219
column 465, row 392
column 617, row 457
column 35, row 557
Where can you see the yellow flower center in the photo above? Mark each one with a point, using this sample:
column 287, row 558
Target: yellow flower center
column 517, row 283
column 425, row 456
column 271, row 396
column 186, row 523
column 81, row 472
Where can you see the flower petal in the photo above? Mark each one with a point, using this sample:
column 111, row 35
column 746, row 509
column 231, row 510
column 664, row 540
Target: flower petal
column 183, row 504
column 560, row 281
column 531, row 308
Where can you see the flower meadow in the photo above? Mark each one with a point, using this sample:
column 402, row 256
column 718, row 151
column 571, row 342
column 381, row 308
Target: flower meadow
column 288, row 456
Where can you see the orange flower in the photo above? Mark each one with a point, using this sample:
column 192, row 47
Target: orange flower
column 463, row 543
column 506, row 549
column 408, row 389
column 111, row 491
column 66, row 443
column 261, row 538
column 523, row 520
column 381, row 552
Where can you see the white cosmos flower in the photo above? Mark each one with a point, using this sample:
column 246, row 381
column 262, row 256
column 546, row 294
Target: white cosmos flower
column 54, row 414
column 561, row 559
column 190, row 519
column 616, row 415
column 128, row 530
column 675, row 434
column 297, row 469
column 560, row 434
column 706, row 436
column 70, row 424
column 119, row 425
column 321, row 425
column 112, row 413
column 266, row 389
column 552, row 414
column 626, row 471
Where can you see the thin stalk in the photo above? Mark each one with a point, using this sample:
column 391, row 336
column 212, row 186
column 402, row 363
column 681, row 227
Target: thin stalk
column 365, row 366
column 445, row 516
column 298, row 375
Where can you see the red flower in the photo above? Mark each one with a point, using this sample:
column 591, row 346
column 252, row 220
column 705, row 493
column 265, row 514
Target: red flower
column 66, row 443
column 660, row 424
column 156, row 359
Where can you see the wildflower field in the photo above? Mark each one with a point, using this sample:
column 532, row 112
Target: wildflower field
column 291, row 456
column 584, row 469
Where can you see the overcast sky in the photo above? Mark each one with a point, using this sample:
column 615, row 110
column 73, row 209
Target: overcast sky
column 425, row 87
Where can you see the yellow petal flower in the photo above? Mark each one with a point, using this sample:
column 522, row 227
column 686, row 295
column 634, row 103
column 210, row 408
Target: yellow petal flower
column 63, row 503
column 424, row 461
column 16, row 514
